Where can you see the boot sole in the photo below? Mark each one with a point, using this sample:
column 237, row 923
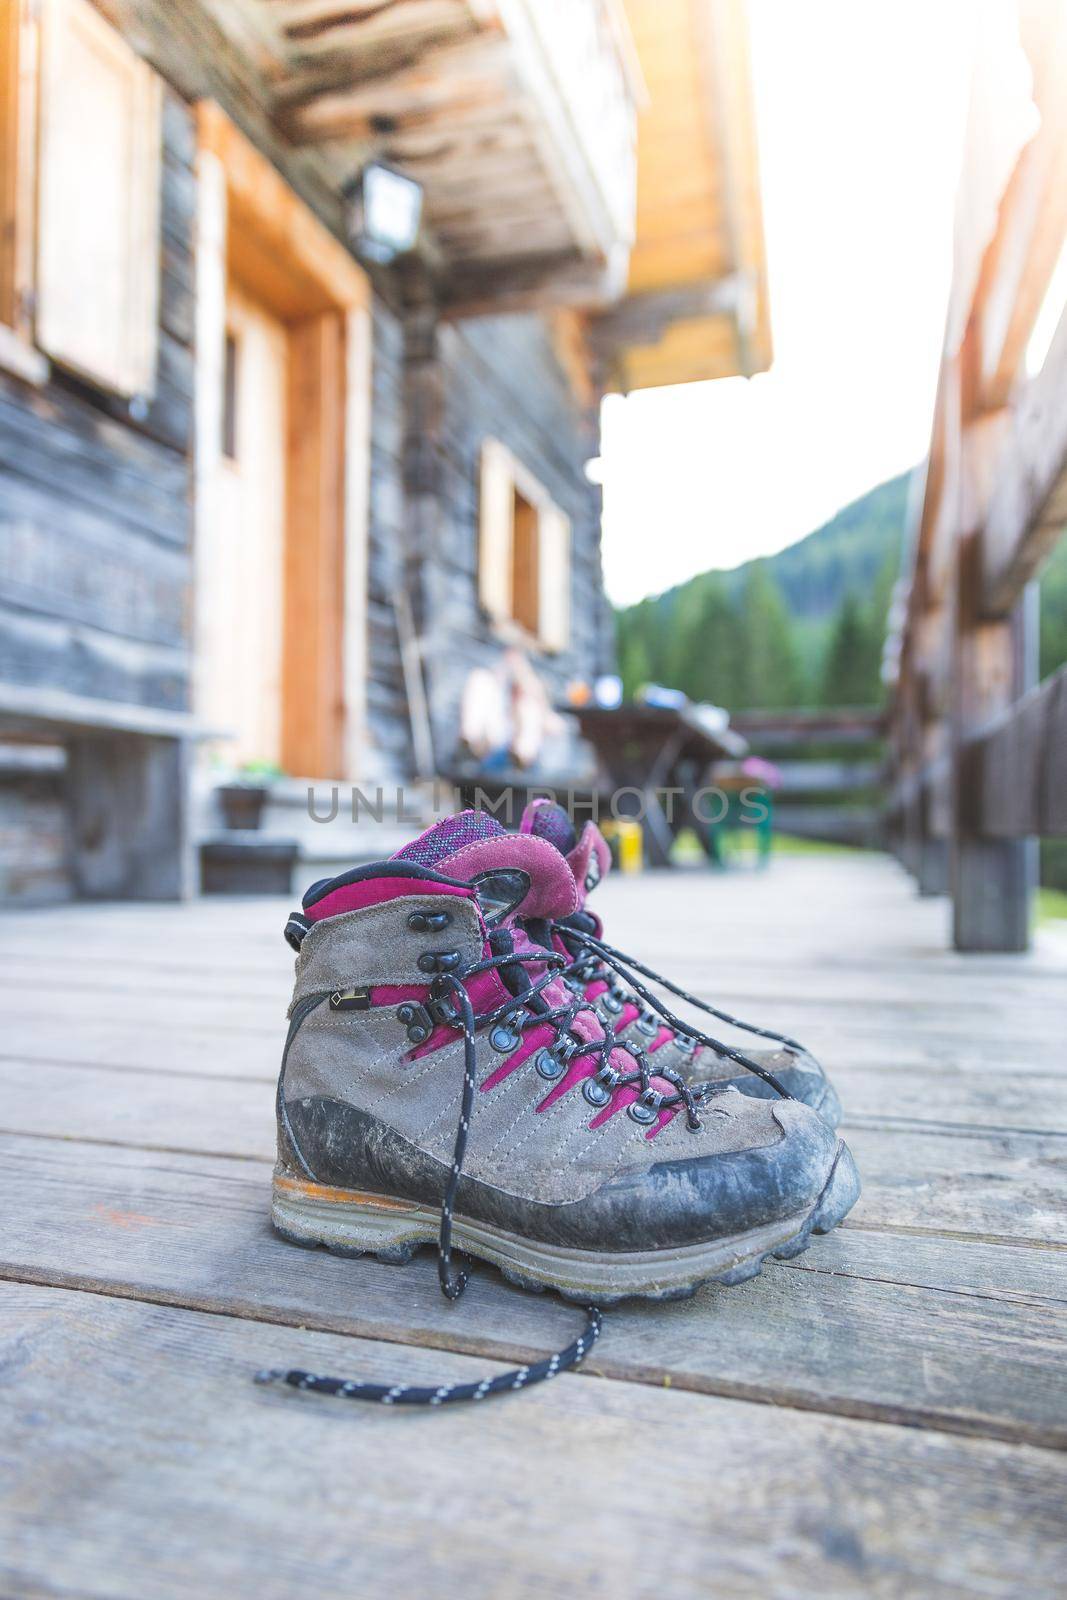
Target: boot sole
column 352, row 1224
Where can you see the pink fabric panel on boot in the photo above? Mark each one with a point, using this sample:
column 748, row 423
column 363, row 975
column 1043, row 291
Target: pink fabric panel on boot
column 486, row 991
column 589, row 861
column 374, row 891
column 552, row 890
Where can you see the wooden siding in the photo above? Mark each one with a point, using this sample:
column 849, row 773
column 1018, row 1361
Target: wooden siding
column 494, row 377
column 95, row 532
column 94, row 511
column 388, row 758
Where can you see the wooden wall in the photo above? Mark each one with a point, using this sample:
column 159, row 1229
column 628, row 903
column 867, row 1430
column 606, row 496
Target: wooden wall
column 95, row 528
column 388, row 758
column 94, row 506
column 496, row 377
column 95, row 521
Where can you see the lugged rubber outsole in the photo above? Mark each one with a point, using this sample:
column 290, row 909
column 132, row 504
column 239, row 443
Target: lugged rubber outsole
column 349, row 1223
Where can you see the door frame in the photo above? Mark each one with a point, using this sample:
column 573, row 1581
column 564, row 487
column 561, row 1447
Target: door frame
column 253, row 227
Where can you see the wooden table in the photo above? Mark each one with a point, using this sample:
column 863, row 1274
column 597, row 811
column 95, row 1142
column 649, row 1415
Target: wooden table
column 653, row 761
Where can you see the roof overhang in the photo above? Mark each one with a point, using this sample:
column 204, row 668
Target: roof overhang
column 696, row 299
column 517, row 117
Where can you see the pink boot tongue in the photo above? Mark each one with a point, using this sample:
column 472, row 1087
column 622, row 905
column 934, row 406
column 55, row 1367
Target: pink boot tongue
column 473, row 845
column 588, row 856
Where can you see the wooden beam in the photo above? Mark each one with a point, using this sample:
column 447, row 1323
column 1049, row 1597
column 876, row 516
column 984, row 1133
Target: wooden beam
column 275, row 242
column 995, row 661
column 1028, row 508
column 827, row 777
column 535, row 283
column 854, row 825
column 25, row 707
column 643, row 319
column 1018, row 768
column 373, row 22
column 1032, row 223
column 764, row 729
column 436, row 77
column 313, row 710
column 19, row 48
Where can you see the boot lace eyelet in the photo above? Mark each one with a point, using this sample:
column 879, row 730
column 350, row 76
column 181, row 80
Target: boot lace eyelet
column 641, row 1111
column 648, row 1025
column 417, row 1021
column 548, row 1065
column 438, row 961
column 598, row 1094
column 428, row 921
column 504, row 1038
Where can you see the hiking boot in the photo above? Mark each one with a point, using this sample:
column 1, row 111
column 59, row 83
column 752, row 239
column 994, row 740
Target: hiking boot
column 590, row 972
column 439, row 1081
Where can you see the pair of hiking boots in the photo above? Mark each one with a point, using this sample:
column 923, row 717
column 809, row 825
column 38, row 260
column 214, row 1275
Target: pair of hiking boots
column 468, row 1061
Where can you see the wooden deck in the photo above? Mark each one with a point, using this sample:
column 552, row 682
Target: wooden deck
column 885, row 1415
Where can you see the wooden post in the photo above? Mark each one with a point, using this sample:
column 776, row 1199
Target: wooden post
column 996, row 661
column 313, row 708
column 128, row 817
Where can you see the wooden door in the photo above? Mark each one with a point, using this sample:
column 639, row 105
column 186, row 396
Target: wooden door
column 243, row 571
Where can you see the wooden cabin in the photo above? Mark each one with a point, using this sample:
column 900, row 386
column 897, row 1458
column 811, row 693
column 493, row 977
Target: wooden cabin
column 268, row 498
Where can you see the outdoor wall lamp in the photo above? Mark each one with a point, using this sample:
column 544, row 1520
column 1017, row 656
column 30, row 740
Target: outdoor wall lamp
column 384, row 212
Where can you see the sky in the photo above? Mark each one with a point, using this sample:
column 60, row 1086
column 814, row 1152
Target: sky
column 860, row 109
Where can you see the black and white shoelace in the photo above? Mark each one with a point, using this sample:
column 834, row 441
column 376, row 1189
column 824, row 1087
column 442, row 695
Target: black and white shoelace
column 453, row 1004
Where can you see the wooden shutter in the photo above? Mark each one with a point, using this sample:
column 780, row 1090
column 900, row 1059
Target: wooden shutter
column 495, row 530
column 554, row 571
column 98, row 217
column 18, row 148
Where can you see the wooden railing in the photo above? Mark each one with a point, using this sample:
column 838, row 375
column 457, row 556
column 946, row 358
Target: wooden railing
column 978, row 748
column 831, row 768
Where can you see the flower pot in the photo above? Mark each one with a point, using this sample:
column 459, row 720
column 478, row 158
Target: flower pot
column 242, row 804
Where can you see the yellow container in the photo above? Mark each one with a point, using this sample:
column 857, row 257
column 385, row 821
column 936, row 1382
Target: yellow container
column 627, row 842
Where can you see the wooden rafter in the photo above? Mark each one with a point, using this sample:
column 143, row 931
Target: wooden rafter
column 433, row 80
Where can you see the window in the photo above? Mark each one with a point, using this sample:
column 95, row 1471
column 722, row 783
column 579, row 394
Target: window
column 524, row 566
column 79, row 190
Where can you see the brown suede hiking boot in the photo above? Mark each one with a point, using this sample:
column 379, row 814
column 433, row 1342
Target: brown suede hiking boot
column 606, row 977
column 440, row 1082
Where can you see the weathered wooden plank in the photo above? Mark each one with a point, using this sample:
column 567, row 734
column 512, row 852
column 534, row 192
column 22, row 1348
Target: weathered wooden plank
column 886, row 1028
column 1000, row 1184
column 840, row 824
column 780, row 728
column 60, row 442
column 817, row 777
column 931, row 1177
column 1028, row 509
column 934, row 1332
column 992, row 879
column 1017, row 770
column 942, row 1092
column 214, row 1493
column 129, row 817
column 72, row 563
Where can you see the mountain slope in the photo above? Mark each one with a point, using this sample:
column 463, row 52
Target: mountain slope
column 762, row 633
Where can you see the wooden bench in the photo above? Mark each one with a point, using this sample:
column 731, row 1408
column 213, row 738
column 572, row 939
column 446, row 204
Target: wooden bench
column 126, row 789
